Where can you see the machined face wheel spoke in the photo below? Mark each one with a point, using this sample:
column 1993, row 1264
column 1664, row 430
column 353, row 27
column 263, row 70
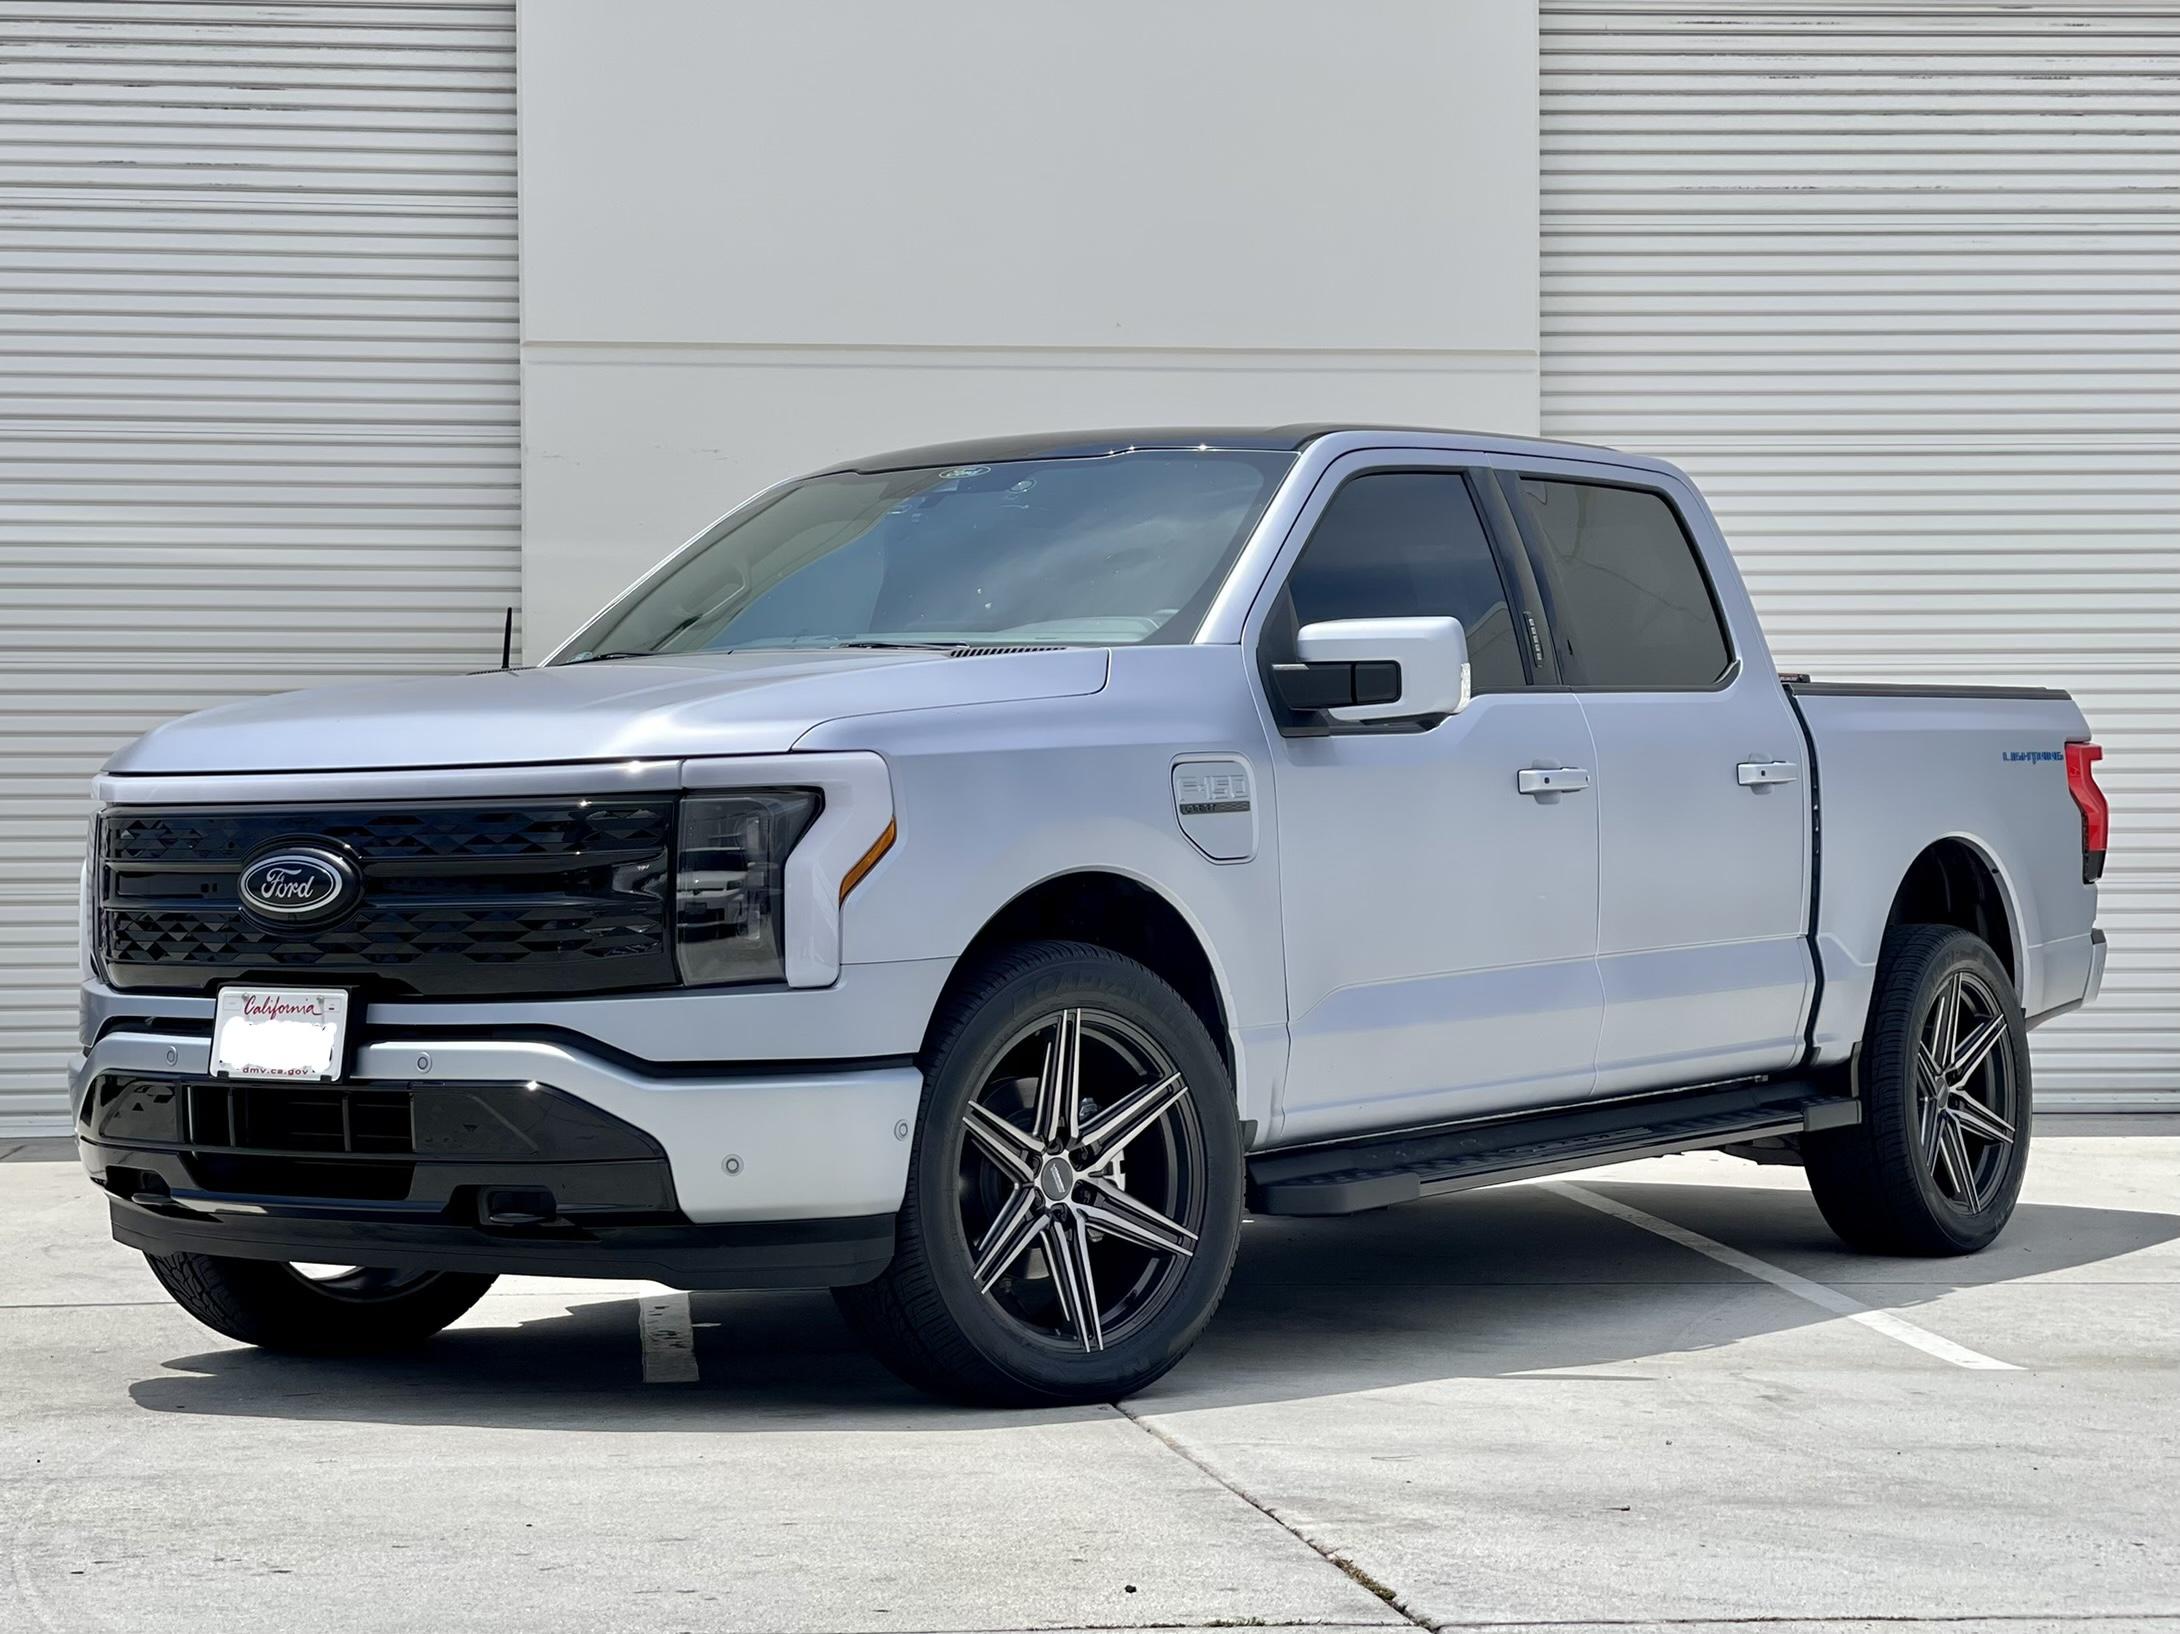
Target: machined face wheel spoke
column 1979, row 1120
column 1059, row 1084
column 1110, row 1135
column 1957, row 1159
column 1014, row 1152
column 1971, row 1052
column 1945, row 1020
column 1947, row 1164
column 1931, row 1069
column 1069, row 1250
column 1120, row 1214
column 1930, row 1098
column 1019, row 1222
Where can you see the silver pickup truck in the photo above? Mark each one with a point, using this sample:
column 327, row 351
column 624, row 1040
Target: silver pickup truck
column 968, row 878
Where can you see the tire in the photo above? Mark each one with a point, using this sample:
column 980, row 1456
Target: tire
column 1935, row 1166
column 1015, row 1336
column 279, row 1307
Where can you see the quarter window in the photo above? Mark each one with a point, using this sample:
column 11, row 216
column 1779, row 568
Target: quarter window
column 1630, row 603
column 1404, row 544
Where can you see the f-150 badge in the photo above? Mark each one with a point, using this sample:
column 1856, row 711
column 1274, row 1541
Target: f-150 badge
column 1211, row 797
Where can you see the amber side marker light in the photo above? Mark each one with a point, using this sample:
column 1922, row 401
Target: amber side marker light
column 868, row 860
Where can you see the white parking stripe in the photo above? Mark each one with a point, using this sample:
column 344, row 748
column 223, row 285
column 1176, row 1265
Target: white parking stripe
column 1831, row 1299
column 669, row 1339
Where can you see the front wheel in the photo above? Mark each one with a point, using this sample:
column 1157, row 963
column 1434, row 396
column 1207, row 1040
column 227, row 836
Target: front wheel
column 1936, row 1164
column 1074, row 1199
column 319, row 1310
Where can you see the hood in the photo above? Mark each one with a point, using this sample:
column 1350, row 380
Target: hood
column 724, row 703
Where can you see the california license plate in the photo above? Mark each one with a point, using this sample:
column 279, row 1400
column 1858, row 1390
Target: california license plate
column 294, row 1033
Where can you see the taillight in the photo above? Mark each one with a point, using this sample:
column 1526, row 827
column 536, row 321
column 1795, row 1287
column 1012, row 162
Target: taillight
column 2081, row 782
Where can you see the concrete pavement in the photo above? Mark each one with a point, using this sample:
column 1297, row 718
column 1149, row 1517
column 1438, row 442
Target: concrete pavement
column 1538, row 1407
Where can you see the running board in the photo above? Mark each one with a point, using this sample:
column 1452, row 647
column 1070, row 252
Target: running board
column 1375, row 1174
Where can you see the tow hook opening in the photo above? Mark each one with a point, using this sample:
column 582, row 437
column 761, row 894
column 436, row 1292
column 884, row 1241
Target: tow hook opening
column 143, row 1189
column 516, row 1206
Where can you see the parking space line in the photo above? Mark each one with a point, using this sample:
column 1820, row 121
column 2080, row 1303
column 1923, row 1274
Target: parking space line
column 669, row 1339
column 1831, row 1299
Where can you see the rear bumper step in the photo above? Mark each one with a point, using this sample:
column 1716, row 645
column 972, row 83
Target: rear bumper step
column 1349, row 1178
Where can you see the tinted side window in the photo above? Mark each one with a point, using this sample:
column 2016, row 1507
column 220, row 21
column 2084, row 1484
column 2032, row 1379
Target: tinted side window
column 1630, row 596
column 1404, row 544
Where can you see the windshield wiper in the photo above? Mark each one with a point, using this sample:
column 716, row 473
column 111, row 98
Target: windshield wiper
column 874, row 645
column 649, row 652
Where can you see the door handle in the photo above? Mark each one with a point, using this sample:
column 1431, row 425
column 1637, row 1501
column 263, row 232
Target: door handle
column 1556, row 780
column 1757, row 774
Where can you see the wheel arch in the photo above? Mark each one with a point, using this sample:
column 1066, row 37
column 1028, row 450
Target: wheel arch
column 1126, row 914
column 1955, row 881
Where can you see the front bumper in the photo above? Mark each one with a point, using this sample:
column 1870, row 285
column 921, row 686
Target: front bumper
column 698, row 1177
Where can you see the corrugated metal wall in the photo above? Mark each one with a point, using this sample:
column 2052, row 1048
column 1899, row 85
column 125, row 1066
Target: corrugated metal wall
column 257, row 305
column 1900, row 285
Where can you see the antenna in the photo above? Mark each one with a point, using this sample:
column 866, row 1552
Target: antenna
column 507, row 641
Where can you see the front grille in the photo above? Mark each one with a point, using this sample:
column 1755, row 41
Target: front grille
column 458, row 900
column 299, row 1119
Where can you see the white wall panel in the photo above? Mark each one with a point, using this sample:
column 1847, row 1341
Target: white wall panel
column 756, row 238
column 1900, row 285
column 258, row 417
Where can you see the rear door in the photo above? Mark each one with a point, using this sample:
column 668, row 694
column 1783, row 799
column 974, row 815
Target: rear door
column 1702, row 784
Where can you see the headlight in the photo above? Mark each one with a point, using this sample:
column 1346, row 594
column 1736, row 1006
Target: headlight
column 730, row 882
column 88, row 963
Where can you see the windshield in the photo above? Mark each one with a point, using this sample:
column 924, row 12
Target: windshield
column 1118, row 549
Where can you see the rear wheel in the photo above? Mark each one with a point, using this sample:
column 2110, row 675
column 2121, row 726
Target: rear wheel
column 1074, row 1199
column 318, row 1309
column 1936, row 1164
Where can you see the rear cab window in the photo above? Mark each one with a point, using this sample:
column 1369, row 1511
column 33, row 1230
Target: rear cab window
column 1631, row 605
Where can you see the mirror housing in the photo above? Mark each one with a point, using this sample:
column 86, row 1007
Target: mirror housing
column 1378, row 669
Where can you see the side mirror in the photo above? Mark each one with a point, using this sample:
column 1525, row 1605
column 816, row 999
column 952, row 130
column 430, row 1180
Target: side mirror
column 1377, row 669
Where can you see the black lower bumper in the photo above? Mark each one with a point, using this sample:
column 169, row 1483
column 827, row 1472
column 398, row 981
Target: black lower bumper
column 495, row 1178
column 765, row 1254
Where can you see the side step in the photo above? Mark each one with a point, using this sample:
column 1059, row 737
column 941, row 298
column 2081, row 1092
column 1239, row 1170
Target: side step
column 1360, row 1175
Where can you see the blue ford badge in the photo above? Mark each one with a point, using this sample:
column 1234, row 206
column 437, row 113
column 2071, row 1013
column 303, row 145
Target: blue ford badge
column 296, row 883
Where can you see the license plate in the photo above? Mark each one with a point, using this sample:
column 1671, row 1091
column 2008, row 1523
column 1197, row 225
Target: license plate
column 294, row 1033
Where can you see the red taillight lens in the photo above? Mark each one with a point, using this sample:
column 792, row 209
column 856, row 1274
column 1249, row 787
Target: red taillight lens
column 2081, row 782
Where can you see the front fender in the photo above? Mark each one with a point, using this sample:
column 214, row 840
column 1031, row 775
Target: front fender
column 994, row 801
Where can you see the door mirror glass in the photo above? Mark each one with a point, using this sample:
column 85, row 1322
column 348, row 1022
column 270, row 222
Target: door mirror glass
column 1378, row 669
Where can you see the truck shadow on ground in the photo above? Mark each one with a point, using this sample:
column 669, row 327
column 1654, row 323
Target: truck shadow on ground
column 1491, row 1285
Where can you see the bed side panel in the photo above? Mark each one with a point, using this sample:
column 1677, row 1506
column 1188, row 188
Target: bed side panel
column 1901, row 771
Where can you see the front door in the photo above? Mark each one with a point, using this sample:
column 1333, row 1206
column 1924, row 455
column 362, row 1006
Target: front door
column 1440, row 924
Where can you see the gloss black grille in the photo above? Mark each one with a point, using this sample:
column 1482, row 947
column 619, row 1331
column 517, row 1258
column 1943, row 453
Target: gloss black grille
column 517, row 898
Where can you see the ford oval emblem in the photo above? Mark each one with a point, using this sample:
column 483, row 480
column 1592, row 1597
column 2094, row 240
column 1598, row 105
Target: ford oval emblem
column 297, row 883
